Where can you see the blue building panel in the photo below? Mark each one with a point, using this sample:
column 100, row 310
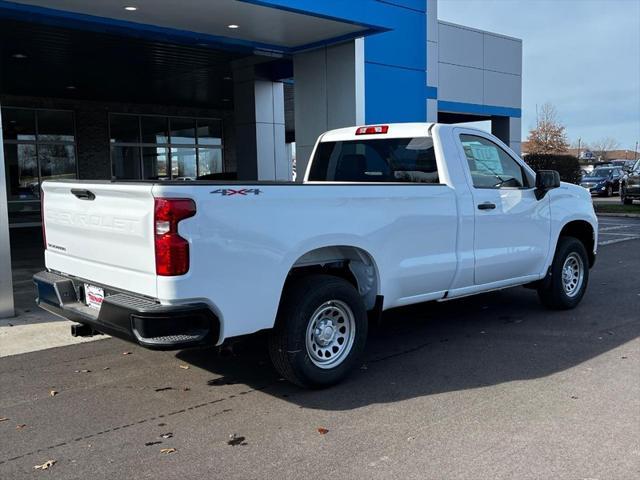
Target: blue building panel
column 419, row 5
column 477, row 109
column 404, row 46
column 394, row 94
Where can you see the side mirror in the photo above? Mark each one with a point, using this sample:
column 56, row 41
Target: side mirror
column 546, row 180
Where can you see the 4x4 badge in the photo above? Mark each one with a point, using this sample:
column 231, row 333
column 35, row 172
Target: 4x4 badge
column 227, row 192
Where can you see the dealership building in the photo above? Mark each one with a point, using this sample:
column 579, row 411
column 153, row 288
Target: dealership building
column 224, row 89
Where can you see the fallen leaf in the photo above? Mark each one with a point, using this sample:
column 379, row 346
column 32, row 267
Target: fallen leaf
column 573, row 397
column 167, row 450
column 46, row 465
column 148, row 444
column 185, row 389
column 126, row 353
column 322, row 431
column 235, row 440
column 163, row 389
column 3, row 419
column 53, row 393
column 184, row 367
column 84, row 370
column 166, row 435
column 623, row 358
column 20, row 426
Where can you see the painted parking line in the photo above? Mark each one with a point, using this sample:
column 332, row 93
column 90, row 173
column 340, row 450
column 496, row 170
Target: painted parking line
column 619, row 240
column 615, row 227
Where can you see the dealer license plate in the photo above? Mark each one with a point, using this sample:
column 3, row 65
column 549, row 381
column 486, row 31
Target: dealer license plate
column 93, row 296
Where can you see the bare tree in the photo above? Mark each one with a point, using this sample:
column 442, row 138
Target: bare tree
column 549, row 135
column 603, row 146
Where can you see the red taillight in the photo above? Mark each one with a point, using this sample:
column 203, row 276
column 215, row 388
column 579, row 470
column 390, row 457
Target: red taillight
column 44, row 232
column 172, row 251
column 372, row 130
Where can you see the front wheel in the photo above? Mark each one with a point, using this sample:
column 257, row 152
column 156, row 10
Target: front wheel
column 320, row 331
column 567, row 281
column 623, row 197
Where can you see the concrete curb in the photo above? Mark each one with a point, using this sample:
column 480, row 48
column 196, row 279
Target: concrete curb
column 625, row 215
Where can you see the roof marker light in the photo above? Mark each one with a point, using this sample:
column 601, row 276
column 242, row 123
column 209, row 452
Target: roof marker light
column 372, row 130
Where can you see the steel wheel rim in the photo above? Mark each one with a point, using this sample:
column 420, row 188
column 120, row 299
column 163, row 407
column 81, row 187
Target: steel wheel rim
column 330, row 334
column 572, row 274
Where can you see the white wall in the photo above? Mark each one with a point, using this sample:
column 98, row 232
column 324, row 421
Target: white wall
column 478, row 67
column 329, row 94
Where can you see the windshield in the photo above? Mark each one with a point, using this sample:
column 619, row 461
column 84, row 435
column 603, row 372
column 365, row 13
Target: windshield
column 380, row 160
column 600, row 172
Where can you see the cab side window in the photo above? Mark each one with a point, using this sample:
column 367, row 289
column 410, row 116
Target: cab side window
column 490, row 165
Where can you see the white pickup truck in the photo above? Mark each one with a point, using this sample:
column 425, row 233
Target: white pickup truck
column 387, row 215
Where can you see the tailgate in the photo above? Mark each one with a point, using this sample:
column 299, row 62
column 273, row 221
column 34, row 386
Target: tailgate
column 101, row 232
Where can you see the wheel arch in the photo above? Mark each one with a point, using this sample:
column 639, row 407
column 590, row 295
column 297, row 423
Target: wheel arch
column 352, row 263
column 583, row 231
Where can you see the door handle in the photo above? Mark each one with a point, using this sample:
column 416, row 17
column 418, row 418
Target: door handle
column 83, row 194
column 486, row 206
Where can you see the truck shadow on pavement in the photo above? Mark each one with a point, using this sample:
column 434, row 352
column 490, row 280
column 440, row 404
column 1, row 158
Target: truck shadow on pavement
column 434, row 348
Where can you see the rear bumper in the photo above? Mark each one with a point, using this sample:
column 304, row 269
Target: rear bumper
column 127, row 316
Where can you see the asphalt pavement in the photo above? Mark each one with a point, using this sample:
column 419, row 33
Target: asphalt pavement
column 488, row 387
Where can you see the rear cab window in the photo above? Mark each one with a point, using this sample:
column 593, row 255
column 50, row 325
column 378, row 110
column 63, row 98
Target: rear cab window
column 409, row 160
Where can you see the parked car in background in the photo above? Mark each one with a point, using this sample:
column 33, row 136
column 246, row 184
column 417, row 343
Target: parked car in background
column 625, row 165
column 603, row 181
column 587, row 155
column 630, row 185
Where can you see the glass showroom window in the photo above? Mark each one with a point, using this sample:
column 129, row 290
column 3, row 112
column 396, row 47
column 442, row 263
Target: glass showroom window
column 157, row 147
column 38, row 144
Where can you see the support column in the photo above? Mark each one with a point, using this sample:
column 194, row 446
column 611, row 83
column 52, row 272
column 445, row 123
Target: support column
column 507, row 129
column 432, row 61
column 6, row 284
column 515, row 134
column 329, row 94
column 259, row 123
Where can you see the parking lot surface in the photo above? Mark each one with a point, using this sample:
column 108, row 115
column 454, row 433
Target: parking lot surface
column 489, row 387
column 618, row 229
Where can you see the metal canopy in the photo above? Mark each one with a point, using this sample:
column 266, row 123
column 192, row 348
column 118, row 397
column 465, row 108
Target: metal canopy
column 254, row 24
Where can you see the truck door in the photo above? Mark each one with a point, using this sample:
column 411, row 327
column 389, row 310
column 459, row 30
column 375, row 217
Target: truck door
column 512, row 227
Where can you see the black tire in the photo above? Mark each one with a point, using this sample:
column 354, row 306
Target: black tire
column 623, row 198
column 552, row 291
column 288, row 349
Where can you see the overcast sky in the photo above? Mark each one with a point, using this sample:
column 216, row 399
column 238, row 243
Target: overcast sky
column 583, row 56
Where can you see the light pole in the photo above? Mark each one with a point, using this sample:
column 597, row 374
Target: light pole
column 579, row 141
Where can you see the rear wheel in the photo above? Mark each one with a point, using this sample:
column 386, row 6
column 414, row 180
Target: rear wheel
column 567, row 281
column 320, row 332
column 623, row 196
